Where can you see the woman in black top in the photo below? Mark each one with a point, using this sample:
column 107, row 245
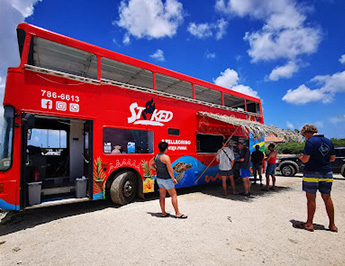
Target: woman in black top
column 165, row 179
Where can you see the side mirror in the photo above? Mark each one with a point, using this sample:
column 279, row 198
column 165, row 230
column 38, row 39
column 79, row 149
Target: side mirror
column 28, row 121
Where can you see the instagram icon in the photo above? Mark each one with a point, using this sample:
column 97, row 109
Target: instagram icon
column 61, row 106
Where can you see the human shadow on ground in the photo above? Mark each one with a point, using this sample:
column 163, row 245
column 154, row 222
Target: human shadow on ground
column 17, row 221
column 256, row 191
column 300, row 225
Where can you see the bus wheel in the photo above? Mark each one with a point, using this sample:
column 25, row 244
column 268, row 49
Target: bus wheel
column 124, row 188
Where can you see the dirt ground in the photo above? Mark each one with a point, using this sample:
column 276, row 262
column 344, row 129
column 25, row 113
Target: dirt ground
column 233, row 230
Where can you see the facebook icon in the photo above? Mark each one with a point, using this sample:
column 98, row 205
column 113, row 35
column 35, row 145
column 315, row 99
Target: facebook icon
column 46, row 104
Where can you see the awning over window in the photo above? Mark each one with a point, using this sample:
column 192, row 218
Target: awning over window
column 254, row 127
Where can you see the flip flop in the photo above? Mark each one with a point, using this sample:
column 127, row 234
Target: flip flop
column 164, row 216
column 182, row 216
column 302, row 226
column 334, row 231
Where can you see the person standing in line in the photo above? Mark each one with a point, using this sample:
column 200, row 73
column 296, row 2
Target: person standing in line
column 318, row 154
column 271, row 167
column 226, row 161
column 244, row 167
column 257, row 159
column 165, row 179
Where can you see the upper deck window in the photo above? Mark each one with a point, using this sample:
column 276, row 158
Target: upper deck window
column 51, row 55
column 21, row 34
column 208, row 95
column 174, row 86
column 128, row 74
column 253, row 107
column 233, row 101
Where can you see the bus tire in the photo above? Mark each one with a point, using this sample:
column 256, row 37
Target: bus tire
column 124, row 188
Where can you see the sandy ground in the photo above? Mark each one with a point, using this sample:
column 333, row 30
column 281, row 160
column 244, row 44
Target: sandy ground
column 231, row 230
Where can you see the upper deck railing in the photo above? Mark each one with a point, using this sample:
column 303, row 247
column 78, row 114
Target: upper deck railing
column 54, row 54
column 132, row 87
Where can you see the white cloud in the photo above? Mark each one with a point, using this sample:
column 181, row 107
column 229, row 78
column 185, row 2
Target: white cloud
column 284, row 34
column 284, row 71
column 290, row 125
column 12, row 12
column 245, row 90
column 26, row 8
column 206, row 30
column 342, row 59
column 268, row 44
column 277, row 13
column 221, row 28
column 329, row 86
column 318, row 124
column 303, row 95
column 210, row 55
column 201, row 31
column 337, row 119
column 158, row 55
column 149, row 18
column 229, row 79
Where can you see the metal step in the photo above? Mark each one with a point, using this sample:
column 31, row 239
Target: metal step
column 57, row 190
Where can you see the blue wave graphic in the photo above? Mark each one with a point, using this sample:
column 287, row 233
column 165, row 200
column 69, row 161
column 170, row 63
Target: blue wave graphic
column 191, row 175
column 98, row 196
column 6, row 206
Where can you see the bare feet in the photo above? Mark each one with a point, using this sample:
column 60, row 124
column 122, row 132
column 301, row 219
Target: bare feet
column 333, row 228
column 309, row 227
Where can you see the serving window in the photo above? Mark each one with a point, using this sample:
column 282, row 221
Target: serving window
column 124, row 141
column 207, row 143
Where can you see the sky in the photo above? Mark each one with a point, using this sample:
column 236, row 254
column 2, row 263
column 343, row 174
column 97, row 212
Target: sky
column 290, row 54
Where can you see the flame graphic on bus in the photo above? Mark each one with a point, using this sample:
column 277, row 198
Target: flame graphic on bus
column 150, row 108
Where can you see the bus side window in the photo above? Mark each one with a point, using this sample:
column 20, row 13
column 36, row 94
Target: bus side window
column 209, row 143
column 130, row 141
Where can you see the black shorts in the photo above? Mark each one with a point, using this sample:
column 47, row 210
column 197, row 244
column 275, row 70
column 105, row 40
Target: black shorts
column 226, row 173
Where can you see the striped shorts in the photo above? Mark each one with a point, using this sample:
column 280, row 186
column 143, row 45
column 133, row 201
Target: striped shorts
column 313, row 181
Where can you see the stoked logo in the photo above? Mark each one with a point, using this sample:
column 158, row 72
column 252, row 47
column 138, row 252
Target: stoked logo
column 148, row 115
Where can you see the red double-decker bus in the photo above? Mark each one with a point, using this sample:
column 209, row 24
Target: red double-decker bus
column 81, row 122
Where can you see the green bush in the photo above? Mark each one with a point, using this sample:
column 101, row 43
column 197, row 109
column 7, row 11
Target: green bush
column 298, row 147
column 338, row 142
column 290, row 148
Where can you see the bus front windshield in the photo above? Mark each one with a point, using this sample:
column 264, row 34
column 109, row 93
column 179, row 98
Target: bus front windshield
column 6, row 137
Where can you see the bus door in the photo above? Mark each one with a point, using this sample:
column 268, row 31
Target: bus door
column 57, row 155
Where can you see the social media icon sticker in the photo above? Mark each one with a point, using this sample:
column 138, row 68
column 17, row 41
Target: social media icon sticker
column 74, row 107
column 46, row 104
column 61, row 106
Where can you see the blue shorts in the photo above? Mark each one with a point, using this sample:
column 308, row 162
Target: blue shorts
column 271, row 169
column 313, row 181
column 165, row 183
column 226, row 173
column 244, row 172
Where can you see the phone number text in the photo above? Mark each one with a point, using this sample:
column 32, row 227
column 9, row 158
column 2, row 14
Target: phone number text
column 61, row 96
